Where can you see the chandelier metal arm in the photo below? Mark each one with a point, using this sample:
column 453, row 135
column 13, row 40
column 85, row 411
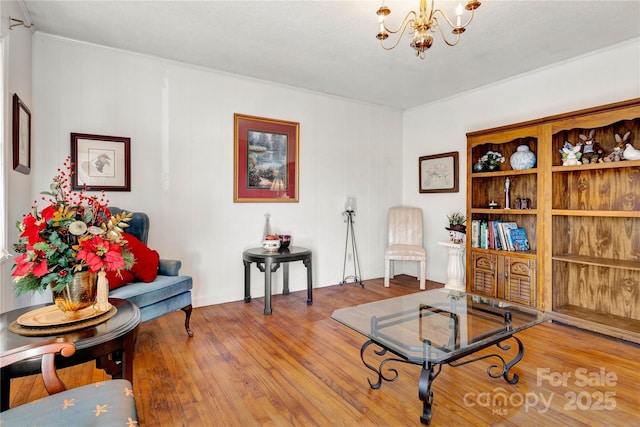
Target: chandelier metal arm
column 408, row 21
column 444, row 36
column 451, row 24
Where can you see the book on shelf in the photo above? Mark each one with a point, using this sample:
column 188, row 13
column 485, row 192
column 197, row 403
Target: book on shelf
column 497, row 242
column 519, row 239
column 504, row 228
column 491, row 238
column 484, row 235
column 498, row 235
column 475, row 233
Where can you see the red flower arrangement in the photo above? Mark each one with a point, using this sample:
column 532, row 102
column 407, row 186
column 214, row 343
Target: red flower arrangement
column 75, row 232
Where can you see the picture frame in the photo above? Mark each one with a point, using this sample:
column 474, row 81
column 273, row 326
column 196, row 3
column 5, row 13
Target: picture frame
column 21, row 136
column 439, row 173
column 100, row 163
column 266, row 156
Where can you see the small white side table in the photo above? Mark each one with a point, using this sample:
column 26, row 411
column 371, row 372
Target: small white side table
column 455, row 270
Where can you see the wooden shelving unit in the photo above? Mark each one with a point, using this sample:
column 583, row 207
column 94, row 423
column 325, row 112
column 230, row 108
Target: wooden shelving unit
column 499, row 273
column 585, row 226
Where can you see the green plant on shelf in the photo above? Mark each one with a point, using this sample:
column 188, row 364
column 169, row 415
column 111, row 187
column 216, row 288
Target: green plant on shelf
column 457, row 220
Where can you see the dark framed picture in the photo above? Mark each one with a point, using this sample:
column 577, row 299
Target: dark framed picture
column 21, row 136
column 438, row 173
column 265, row 160
column 101, row 162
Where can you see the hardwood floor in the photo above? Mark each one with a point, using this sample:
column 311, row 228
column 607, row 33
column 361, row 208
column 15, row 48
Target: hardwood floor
column 298, row 367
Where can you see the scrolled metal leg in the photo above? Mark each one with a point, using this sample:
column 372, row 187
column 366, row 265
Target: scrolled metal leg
column 506, row 366
column 503, row 368
column 392, row 374
column 427, row 375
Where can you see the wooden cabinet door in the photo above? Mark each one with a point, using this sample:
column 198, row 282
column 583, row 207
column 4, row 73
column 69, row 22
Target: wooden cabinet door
column 484, row 273
column 520, row 280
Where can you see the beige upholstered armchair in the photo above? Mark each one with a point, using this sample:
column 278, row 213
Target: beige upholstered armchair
column 405, row 241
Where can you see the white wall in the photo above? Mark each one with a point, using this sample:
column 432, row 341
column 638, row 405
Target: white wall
column 184, row 179
column 599, row 78
column 16, row 79
column 183, row 176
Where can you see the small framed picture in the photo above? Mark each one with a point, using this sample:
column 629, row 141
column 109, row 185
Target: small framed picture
column 438, row 173
column 265, row 160
column 101, row 162
column 21, row 136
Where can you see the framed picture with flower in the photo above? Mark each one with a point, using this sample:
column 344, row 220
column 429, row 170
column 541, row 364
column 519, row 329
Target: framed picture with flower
column 438, row 173
column 266, row 155
column 101, row 162
column 21, row 136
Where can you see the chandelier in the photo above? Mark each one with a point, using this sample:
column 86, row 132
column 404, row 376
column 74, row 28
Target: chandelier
column 422, row 23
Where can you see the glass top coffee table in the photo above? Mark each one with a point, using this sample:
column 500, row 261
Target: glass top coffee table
column 438, row 327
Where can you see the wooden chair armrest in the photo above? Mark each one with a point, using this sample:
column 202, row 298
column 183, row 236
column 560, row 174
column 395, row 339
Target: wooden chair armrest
column 48, row 350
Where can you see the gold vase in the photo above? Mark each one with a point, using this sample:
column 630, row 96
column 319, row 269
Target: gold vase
column 79, row 294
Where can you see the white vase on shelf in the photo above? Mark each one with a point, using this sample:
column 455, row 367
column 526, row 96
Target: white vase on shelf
column 523, row 158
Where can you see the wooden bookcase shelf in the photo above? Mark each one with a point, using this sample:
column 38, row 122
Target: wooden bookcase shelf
column 584, row 226
column 504, row 173
column 612, row 165
column 511, row 275
column 504, row 211
column 608, row 324
column 612, row 214
column 598, row 262
column 520, row 254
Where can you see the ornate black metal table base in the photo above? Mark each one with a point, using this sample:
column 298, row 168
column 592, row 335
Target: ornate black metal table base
column 431, row 370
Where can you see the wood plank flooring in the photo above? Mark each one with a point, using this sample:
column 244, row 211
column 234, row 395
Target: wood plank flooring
column 298, row 367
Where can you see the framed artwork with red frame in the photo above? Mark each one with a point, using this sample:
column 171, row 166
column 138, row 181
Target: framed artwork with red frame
column 266, row 153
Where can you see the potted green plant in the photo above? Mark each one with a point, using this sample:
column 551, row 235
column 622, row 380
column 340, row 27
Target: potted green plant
column 457, row 221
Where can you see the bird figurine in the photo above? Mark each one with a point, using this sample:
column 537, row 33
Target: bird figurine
column 631, row 153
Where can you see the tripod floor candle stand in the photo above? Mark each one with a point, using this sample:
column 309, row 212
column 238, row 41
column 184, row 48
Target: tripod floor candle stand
column 357, row 277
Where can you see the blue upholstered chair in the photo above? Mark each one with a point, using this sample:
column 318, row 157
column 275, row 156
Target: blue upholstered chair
column 107, row 403
column 168, row 292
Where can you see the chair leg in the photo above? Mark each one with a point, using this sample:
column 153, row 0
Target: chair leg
column 422, row 275
column 187, row 311
column 386, row 273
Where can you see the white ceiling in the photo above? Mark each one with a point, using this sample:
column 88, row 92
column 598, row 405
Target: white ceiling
column 330, row 46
